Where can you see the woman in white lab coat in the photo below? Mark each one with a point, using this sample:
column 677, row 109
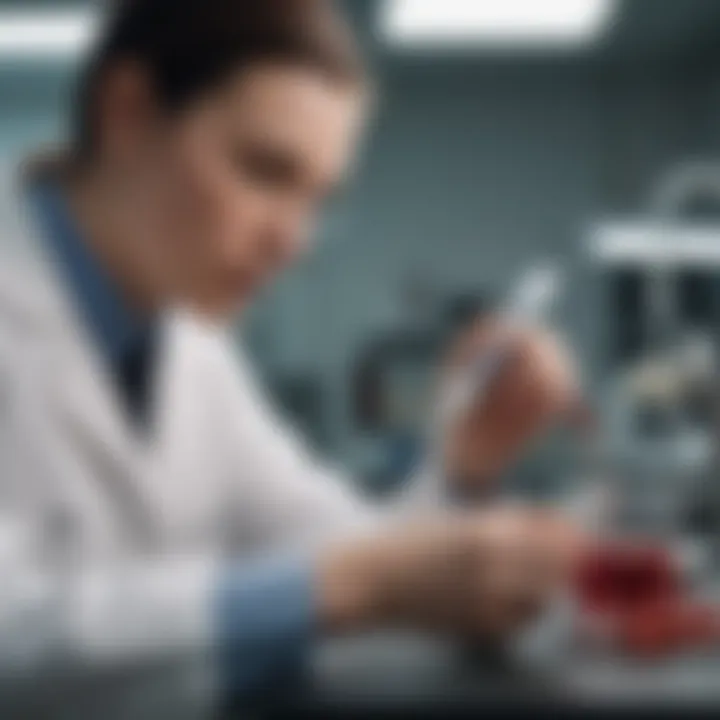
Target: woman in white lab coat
column 206, row 136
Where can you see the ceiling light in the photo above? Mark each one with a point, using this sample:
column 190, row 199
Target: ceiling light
column 494, row 22
column 46, row 35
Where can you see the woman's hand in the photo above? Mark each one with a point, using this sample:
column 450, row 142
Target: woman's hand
column 534, row 387
column 482, row 574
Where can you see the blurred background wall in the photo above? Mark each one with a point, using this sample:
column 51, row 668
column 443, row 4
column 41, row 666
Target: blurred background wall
column 480, row 163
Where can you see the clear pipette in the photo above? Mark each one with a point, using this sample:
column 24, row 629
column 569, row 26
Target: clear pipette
column 530, row 302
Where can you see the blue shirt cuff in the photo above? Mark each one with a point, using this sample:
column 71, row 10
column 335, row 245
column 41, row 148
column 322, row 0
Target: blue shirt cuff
column 265, row 622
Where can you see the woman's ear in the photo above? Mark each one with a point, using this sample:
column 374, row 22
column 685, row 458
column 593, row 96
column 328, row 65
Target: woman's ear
column 127, row 111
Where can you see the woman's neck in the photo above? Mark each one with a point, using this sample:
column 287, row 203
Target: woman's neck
column 105, row 227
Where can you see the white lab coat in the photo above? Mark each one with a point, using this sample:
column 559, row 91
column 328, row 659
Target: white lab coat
column 109, row 541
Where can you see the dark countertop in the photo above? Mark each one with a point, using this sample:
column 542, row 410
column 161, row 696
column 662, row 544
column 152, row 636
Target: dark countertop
column 415, row 675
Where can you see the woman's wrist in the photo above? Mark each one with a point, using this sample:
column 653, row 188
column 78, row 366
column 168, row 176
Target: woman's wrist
column 350, row 586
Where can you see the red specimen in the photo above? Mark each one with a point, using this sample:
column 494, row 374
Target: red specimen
column 616, row 578
column 637, row 591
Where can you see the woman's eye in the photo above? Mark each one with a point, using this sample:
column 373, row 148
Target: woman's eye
column 268, row 169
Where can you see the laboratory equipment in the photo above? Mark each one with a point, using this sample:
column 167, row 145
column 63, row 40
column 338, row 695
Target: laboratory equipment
column 661, row 401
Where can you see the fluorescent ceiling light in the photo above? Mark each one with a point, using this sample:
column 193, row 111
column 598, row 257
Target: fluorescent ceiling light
column 494, row 22
column 652, row 244
column 39, row 34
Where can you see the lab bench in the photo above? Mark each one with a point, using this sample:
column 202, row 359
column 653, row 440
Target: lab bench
column 415, row 676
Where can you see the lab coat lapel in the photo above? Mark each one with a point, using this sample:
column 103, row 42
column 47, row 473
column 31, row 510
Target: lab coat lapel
column 92, row 420
column 86, row 400
column 83, row 402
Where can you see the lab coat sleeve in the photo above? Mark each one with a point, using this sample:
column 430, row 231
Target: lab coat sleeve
column 284, row 494
column 84, row 616
column 242, row 626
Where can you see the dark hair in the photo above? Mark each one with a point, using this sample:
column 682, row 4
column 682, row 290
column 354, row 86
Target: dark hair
column 189, row 46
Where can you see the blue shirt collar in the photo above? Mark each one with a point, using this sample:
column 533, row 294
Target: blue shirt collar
column 114, row 325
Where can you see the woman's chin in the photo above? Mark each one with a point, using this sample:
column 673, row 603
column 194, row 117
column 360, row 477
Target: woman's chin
column 219, row 309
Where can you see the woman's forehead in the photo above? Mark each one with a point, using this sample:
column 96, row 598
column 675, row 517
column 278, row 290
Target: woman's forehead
column 296, row 109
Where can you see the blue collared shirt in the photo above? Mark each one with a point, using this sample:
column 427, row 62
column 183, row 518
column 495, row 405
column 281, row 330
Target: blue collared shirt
column 265, row 610
column 114, row 325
